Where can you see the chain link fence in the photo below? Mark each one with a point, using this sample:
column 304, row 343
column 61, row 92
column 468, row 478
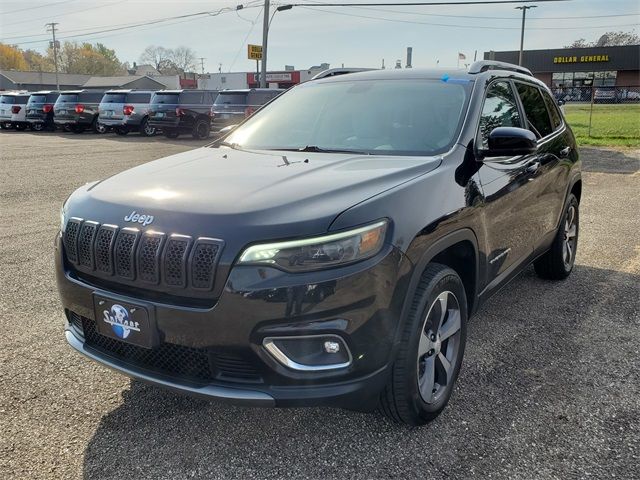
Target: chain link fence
column 603, row 114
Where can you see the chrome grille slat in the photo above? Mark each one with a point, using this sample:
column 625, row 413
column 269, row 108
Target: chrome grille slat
column 156, row 259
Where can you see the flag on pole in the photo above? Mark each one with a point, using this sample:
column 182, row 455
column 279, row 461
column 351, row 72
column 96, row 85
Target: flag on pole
column 461, row 56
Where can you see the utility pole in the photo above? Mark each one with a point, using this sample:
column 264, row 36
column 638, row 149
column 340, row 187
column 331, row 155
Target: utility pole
column 265, row 40
column 52, row 27
column 202, row 59
column 524, row 14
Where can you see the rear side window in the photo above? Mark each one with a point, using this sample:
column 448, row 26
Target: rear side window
column 37, row 99
column 68, row 97
column 191, row 98
column 52, row 97
column 22, row 98
column 91, row 97
column 7, row 99
column 164, row 98
column 556, row 118
column 534, row 108
column 138, row 97
column 500, row 109
column 231, row 99
column 113, row 98
column 260, row 98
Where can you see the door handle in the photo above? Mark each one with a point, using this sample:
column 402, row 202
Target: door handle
column 565, row 152
column 533, row 167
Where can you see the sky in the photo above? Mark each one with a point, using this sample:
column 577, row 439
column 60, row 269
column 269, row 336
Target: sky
column 311, row 34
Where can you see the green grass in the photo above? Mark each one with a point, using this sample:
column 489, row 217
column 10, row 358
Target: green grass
column 611, row 125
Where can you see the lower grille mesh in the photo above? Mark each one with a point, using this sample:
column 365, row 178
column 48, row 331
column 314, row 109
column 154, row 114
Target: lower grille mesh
column 199, row 365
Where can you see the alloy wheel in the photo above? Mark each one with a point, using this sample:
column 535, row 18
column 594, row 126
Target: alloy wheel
column 148, row 129
column 570, row 237
column 439, row 346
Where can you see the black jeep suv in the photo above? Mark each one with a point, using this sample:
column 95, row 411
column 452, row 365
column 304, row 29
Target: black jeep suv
column 332, row 248
column 182, row 111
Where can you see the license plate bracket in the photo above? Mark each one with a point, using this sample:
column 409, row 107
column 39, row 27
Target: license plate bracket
column 125, row 321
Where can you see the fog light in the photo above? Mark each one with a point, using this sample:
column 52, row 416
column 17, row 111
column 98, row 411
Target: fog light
column 309, row 352
column 331, row 347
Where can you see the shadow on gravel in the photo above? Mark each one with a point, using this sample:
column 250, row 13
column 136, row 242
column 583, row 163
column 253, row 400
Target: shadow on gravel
column 609, row 161
column 528, row 380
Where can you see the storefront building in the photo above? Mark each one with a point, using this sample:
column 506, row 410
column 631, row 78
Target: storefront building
column 580, row 67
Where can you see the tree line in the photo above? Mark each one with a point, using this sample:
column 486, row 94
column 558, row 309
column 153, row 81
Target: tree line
column 95, row 59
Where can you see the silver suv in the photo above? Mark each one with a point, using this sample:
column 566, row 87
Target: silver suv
column 126, row 111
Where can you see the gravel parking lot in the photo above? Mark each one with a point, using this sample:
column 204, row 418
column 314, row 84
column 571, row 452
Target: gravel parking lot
column 550, row 386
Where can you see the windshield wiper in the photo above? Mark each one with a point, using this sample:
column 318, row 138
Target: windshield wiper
column 316, row 149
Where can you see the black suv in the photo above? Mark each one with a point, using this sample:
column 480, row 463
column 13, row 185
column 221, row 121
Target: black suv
column 77, row 110
column 40, row 110
column 182, row 111
column 332, row 248
column 233, row 106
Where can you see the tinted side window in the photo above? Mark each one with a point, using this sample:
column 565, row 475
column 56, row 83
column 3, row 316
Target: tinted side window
column 499, row 110
column 556, row 118
column 90, row 97
column 534, row 108
column 139, row 97
column 52, row 97
column 191, row 98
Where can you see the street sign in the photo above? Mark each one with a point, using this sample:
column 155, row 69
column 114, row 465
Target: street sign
column 254, row 52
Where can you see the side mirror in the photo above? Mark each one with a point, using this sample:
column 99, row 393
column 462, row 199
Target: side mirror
column 510, row 141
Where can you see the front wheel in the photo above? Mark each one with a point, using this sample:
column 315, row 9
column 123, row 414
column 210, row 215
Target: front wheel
column 20, row 127
column 99, row 127
column 37, row 127
column 171, row 133
column 431, row 350
column 558, row 262
column 121, row 131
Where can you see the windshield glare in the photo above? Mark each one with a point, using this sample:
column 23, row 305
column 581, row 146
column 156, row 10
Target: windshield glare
column 402, row 117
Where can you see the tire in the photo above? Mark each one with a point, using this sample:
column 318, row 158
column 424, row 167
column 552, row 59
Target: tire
column 77, row 128
column 121, row 131
column 145, row 129
column 37, row 127
column 98, row 127
column 171, row 133
column 558, row 262
column 4, row 126
column 20, row 127
column 414, row 395
column 201, row 129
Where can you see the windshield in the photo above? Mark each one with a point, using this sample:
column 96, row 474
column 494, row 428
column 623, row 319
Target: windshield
column 113, row 98
column 401, row 117
column 161, row 98
column 68, row 97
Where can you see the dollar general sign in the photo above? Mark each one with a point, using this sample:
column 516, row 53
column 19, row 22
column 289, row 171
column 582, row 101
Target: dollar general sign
column 254, row 52
column 581, row 59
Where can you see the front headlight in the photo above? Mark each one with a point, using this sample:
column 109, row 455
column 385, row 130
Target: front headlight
column 316, row 253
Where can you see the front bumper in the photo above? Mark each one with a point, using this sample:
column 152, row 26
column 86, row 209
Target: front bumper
column 358, row 303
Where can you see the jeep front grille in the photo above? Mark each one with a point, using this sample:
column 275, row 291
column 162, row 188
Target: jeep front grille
column 126, row 255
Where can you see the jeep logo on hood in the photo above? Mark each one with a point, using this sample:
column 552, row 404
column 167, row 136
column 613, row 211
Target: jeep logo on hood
column 135, row 217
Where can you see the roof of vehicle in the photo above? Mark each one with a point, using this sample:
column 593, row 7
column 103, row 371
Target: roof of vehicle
column 130, row 90
column 184, row 90
column 6, row 94
column 247, row 90
column 44, row 92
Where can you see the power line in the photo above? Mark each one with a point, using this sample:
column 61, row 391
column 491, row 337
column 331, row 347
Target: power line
column 70, row 13
column 424, row 4
column 477, row 17
column 145, row 24
column 484, row 27
column 38, row 6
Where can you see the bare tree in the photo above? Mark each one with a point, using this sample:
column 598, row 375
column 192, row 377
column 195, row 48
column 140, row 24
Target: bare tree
column 159, row 57
column 609, row 39
column 183, row 59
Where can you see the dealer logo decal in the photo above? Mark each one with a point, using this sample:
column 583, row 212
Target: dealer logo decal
column 120, row 322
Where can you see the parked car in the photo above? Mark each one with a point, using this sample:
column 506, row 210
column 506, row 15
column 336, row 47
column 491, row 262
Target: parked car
column 126, row 111
column 332, row 248
column 77, row 110
column 233, row 106
column 182, row 111
column 605, row 95
column 626, row 95
column 13, row 110
column 40, row 110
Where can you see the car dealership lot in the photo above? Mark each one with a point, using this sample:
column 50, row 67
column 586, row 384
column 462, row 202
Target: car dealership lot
column 550, row 386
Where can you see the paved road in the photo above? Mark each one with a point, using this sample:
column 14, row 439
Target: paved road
column 550, row 387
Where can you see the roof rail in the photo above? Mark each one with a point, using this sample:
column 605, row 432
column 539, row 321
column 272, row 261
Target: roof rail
column 484, row 65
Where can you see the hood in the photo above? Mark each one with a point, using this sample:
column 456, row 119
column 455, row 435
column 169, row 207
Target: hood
column 223, row 193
